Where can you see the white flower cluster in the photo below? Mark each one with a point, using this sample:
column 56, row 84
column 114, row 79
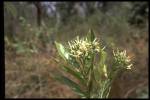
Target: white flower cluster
column 82, row 47
column 122, row 58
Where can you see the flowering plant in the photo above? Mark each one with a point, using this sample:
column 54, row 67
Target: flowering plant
column 94, row 80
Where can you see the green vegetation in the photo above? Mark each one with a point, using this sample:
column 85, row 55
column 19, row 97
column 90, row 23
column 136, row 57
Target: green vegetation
column 94, row 80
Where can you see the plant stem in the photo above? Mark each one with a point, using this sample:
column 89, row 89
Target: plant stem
column 90, row 76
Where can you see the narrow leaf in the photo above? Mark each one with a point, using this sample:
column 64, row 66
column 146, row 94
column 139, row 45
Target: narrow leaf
column 105, row 71
column 102, row 67
column 73, row 62
column 74, row 86
column 96, row 75
column 102, row 57
column 91, row 35
column 74, row 73
column 61, row 50
column 106, row 88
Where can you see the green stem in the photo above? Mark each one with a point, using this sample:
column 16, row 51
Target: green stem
column 90, row 77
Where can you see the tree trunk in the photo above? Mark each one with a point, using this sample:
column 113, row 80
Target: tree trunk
column 39, row 13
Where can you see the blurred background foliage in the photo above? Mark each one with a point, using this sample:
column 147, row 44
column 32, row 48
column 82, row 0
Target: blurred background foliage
column 30, row 29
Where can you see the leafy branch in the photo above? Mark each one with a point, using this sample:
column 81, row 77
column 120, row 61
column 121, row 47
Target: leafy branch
column 93, row 81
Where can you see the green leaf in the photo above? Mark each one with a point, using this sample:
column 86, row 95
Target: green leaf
column 61, row 50
column 102, row 67
column 73, row 62
column 96, row 75
column 74, row 73
column 106, row 88
column 107, row 95
column 74, row 86
column 103, row 56
column 91, row 35
column 105, row 70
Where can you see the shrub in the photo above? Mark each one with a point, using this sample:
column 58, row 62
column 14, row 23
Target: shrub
column 94, row 80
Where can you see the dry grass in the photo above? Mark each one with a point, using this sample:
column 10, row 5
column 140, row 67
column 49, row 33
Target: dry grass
column 29, row 77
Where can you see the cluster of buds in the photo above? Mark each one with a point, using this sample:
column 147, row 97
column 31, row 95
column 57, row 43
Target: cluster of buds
column 122, row 58
column 82, row 47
